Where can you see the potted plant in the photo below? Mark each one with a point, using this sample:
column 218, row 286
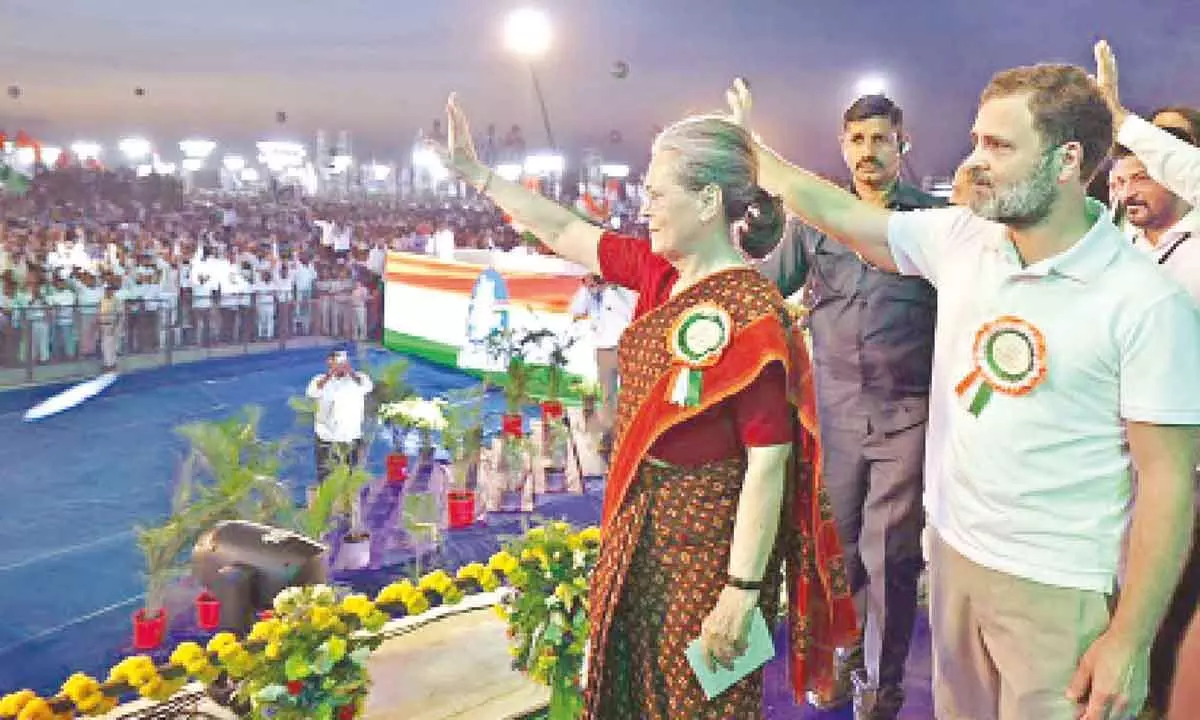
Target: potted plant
column 239, row 479
column 512, row 347
column 390, row 386
column 547, row 614
column 425, row 417
column 347, row 482
column 163, row 548
column 463, row 440
column 316, row 665
column 556, row 375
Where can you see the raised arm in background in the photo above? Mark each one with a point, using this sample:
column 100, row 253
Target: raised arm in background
column 568, row 235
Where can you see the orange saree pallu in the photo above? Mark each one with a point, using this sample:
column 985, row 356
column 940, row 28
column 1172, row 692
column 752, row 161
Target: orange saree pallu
column 667, row 529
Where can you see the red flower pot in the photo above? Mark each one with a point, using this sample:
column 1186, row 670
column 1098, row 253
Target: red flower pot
column 208, row 611
column 397, row 468
column 148, row 632
column 461, row 504
column 552, row 410
column 512, row 426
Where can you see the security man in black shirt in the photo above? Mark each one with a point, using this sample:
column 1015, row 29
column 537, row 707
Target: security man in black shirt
column 872, row 335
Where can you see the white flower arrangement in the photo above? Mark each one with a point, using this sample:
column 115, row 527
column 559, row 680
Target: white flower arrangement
column 415, row 414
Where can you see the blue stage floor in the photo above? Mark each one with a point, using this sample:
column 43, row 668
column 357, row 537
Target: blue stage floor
column 74, row 486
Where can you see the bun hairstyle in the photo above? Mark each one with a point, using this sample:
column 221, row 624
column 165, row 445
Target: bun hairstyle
column 762, row 223
column 712, row 150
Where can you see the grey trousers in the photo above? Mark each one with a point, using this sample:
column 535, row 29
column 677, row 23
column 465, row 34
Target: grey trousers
column 875, row 481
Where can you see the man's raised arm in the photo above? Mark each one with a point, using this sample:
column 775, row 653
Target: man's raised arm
column 859, row 225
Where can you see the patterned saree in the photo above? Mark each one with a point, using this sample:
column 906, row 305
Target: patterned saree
column 667, row 529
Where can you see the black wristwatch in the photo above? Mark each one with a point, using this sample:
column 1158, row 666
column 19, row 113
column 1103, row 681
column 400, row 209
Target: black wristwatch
column 740, row 584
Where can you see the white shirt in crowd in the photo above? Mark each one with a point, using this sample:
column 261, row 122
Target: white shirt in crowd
column 1175, row 165
column 1177, row 251
column 609, row 311
column 341, row 404
column 1039, row 485
column 442, row 244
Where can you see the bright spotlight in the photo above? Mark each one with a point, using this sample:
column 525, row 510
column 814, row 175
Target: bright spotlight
column 86, row 151
column 527, row 32
column 134, row 148
column 197, row 148
column 234, row 163
column 871, row 85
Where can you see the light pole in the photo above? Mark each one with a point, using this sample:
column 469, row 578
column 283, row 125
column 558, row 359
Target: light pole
column 527, row 33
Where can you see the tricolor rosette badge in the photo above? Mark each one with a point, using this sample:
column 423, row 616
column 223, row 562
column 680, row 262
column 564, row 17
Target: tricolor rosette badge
column 1009, row 357
column 697, row 341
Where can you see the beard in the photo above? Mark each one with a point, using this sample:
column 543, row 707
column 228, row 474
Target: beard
column 1022, row 203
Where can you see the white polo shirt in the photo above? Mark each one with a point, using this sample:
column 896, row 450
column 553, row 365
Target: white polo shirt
column 1177, row 251
column 1038, row 485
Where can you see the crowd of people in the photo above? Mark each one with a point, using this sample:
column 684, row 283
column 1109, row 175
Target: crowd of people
column 101, row 263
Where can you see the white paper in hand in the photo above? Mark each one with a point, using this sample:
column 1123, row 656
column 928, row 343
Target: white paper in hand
column 760, row 648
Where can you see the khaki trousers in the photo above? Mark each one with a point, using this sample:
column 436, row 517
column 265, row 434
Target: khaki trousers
column 1005, row 648
column 606, row 374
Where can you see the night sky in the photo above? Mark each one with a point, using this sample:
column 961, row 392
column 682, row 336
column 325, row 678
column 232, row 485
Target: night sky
column 382, row 68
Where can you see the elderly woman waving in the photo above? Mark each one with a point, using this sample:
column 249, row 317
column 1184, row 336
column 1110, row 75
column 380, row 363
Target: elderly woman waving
column 712, row 491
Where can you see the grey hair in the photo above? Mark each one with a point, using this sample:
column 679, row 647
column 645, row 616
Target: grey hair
column 713, row 150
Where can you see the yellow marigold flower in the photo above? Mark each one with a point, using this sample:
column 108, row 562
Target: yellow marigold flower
column 501, row 611
column 561, row 527
column 266, row 630
column 79, row 685
column 272, row 651
column 337, row 648
column 574, row 542
column 590, row 536
column 221, row 640
column 488, row 580
column 36, row 709
column 437, row 581
column 152, row 688
column 12, row 703
column 357, row 605
column 397, row 592
column 187, row 653
column 230, row 652
column 503, row 561
column 417, row 604
column 471, row 572
column 537, row 534
column 322, row 617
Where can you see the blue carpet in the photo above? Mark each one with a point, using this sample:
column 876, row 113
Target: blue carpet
column 76, row 484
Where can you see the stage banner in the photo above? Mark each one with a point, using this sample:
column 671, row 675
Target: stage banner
column 443, row 311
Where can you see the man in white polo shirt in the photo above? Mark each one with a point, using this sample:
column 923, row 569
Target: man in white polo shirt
column 1056, row 355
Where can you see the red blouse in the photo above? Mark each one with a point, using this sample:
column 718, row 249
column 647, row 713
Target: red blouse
column 758, row 416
